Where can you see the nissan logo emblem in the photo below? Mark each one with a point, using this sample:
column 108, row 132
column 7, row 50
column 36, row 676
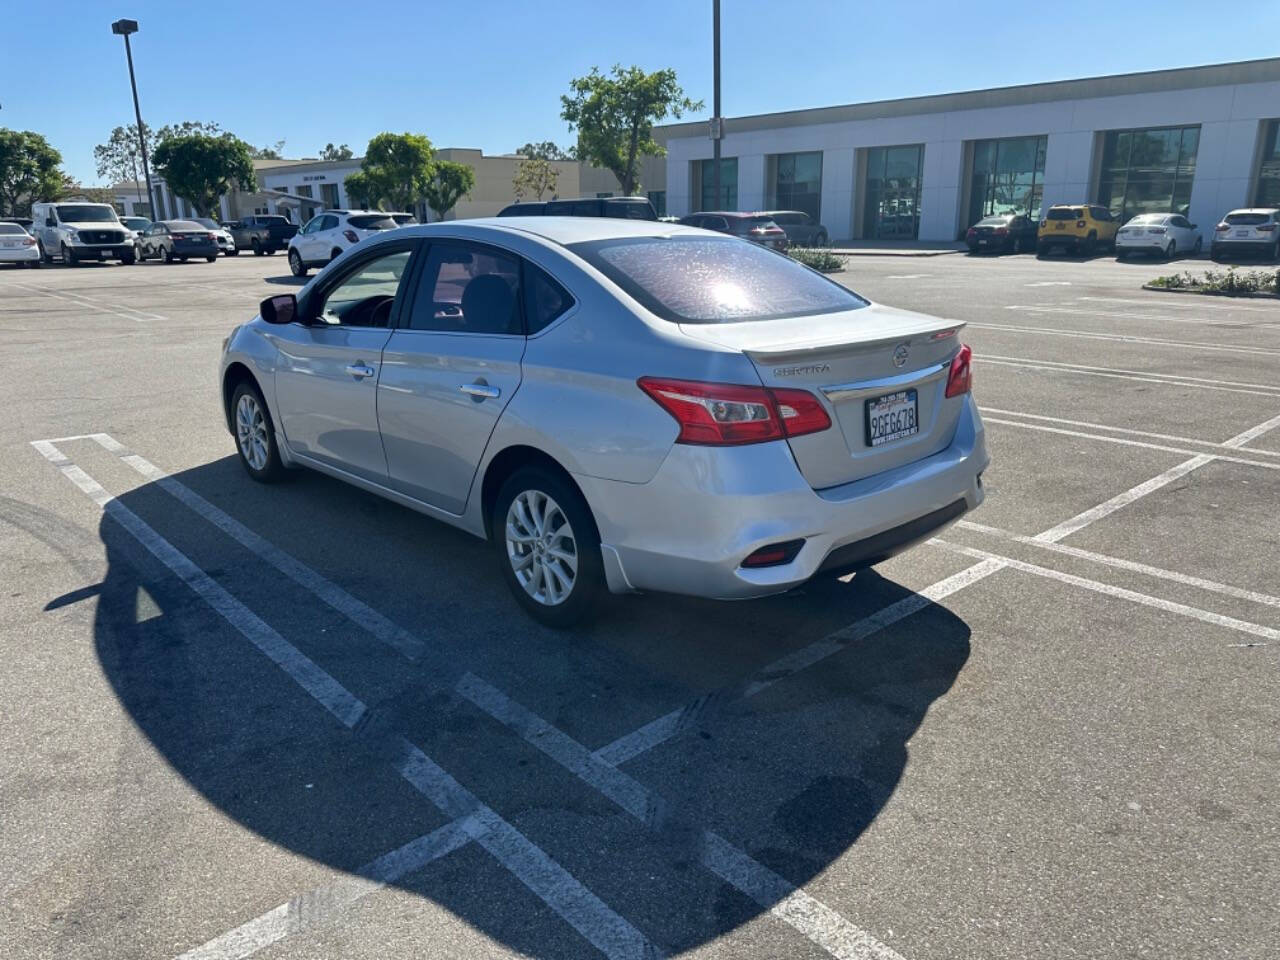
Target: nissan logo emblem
column 900, row 354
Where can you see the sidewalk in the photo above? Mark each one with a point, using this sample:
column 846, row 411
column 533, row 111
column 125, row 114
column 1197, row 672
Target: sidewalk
column 888, row 248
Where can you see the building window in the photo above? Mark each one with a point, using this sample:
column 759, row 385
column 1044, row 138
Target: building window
column 1008, row 177
column 1268, row 194
column 659, row 200
column 795, row 182
column 329, row 194
column 604, row 196
column 303, row 191
column 1148, row 171
column 891, row 210
column 728, row 199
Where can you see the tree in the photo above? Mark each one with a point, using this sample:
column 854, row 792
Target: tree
column 120, row 158
column 330, row 152
column 397, row 168
column 546, row 150
column 614, row 116
column 202, row 168
column 535, row 176
column 267, row 153
column 92, row 194
column 452, row 181
column 361, row 191
column 28, row 171
column 185, row 129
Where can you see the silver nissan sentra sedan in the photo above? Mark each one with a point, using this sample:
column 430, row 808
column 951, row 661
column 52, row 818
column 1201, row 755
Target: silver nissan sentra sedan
column 616, row 405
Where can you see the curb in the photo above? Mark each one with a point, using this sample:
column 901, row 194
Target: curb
column 892, row 253
column 1255, row 295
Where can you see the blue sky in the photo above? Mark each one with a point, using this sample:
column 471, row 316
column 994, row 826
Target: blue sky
column 318, row 71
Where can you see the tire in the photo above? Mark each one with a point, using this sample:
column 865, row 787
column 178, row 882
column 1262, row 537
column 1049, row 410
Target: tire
column 524, row 493
column 1120, row 256
column 296, row 266
column 1275, row 251
column 1215, row 255
column 34, row 264
column 334, row 254
column 822, row 240
column 1171, row 249
column 1091, row 241
column 212, row 259
column 257, row 247
column 234, row 253
column 166, row 255
column 271, row 251
column 69, row 258
column 129, row 257
column 254, row 432
column 1041, row 252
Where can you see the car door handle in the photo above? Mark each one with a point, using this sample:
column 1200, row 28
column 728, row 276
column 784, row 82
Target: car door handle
column 359, row 370
column 481, row 390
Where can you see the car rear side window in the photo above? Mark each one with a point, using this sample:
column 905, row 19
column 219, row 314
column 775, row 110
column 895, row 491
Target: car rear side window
column 1248, row 219
column 12, row 228
column 714, row 280
column 468, row 288
column 372, row 221
column 545, row 300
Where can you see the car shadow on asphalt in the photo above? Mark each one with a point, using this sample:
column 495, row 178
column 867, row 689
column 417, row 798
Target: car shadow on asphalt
column 793, row 776
column 288, row 280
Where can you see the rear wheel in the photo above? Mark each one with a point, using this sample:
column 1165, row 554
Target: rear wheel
column 211, row 259
column 257, row 246
column 1087, row 247
column 35, row 264
column 255, row 436
column 548, row 546
column 166, row 255
column 296, row 266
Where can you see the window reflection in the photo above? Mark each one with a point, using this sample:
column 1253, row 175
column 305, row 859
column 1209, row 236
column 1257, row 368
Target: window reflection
column 795, row 183
column 728, row 199
column 1268, row 193
column 892, row 207
column 1148, row 171
column 1008, row 177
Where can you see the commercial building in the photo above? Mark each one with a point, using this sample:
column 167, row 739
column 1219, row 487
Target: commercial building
column 300, row 188
column 1196, row 141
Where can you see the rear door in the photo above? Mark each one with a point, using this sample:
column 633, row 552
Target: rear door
column 327, row 376
column 450, row 369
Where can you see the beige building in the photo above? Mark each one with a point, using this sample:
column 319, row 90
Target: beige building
column 300, row 188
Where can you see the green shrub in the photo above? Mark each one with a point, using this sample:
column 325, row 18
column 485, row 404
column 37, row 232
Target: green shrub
column 819, row 258
column 1231, row 282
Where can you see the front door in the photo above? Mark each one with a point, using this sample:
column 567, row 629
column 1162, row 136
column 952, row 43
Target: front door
column 327, row 373
column 450, row 370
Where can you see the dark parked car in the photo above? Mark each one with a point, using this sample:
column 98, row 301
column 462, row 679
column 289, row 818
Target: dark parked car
column 172, row 240
column 756, row 227
column 1002, row 233
column 624, row 208
column 801, row 229
column 261, row 233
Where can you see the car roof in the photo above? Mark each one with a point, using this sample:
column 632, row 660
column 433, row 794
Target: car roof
column 1255, row 210
column 560, row 230
column 740, row 213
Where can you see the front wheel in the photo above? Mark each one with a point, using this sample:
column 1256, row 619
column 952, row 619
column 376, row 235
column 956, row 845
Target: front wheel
column 255, row 437
column 296, row 266
column 69, row 258
column 129, row 257
column 166, row 255
column 548, row 546
column 233, row 253
column 257, row 247
column 211, row 259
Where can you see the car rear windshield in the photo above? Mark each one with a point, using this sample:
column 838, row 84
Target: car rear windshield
column 271, row 221
column 629, row 210
column 86, row 213
column 185, row 226
column 1065, row 213
column 1150, row 218
column 372, row 221
column 996, row 221
column 714, row 279
column 136, row 223
column 1248, row 219
column 11, row 228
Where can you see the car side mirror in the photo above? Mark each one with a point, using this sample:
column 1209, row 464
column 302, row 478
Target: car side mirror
column 50, row 222
column 1195, row 226
column 282, row 308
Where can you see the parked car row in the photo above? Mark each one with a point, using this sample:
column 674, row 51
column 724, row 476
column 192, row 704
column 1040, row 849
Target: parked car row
column 1085, row 228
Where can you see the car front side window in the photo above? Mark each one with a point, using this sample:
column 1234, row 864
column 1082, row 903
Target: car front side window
column 366, row 294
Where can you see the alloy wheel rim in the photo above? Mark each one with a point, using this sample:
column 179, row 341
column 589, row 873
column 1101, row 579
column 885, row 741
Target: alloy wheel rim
column 541, row 548
column 251, row 432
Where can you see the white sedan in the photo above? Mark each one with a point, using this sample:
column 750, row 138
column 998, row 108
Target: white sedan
column 1158, row 234
column 17, row 246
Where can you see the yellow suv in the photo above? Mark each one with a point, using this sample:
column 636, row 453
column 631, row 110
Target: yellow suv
column 1077, row 228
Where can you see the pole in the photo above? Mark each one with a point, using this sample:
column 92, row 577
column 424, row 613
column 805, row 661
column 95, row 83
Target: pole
column 715, row 109
column 142, row 138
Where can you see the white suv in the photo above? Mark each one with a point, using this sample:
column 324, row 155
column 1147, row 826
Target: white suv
column 1255, row 230
column 329, row 233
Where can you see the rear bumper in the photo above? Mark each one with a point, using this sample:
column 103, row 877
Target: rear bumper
column 204, row 250
column 1256, row 247
column 688, row 529
column 1046, row 241
column 19, row 254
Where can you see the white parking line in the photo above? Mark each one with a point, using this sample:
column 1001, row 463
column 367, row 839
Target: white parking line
column 323, row 905
column 1121, row 338
column 1137, row 433
column 1049, row 283
column 1119, row 563
column 1169, row 606
column 824, row 926
column 1142, row 376
column 127, row 313
column 1253, row 433
column 1114, row 315
column 574, row 903
column 1043, row 428
column 1167, row 301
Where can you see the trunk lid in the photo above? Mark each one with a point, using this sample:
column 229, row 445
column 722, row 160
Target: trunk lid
column 847, row 360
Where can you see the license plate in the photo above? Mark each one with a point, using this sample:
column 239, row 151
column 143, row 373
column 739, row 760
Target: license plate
column 11, row 243
column 891, row 417
column 1059, row 226
column 102, row 254
column 1242, row 233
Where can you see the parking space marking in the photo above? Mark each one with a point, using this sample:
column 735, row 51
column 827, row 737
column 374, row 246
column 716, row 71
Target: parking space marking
column 323, row 904
column 584, row 911
column 1123, row 338
column 1114, row 315
column 670, row 724
column 1119, row 563
column 127, row 313
column 1044, row 428
column 1049, row 283
column 816, row 921
column 1136, row 433
column 1159, row 603
column 1163, row 301
column 1141, row 376
column 907, row 276
column 1253, row 433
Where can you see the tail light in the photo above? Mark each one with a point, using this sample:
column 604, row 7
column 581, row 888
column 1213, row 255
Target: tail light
column 960, row 379
column 351, row 236
column 1044, row 223
column 1080, row 223
column 212, row 236
column 1222, row 228
column 29, row 242
column 971, row 233
column 724, row 414
column 1266, row 227
column 774, row 555
column 1156, row 230
column 1000, row 231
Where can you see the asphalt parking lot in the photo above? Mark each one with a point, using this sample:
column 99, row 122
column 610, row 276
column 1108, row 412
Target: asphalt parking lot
column 299, row 721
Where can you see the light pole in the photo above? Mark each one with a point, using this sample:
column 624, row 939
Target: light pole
column 123, row 28
column 717, row 124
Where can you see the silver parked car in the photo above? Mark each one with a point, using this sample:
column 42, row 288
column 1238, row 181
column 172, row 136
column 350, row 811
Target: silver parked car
column 616, row 405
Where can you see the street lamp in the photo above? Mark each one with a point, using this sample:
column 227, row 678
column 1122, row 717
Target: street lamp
column 123, row 28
